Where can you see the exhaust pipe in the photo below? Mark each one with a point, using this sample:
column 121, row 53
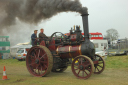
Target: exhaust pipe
column 85, row 26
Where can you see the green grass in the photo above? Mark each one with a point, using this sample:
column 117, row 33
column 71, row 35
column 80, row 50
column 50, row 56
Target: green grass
column 116, row 73
column 12, row 62
column 117, row 62
column 111, row 62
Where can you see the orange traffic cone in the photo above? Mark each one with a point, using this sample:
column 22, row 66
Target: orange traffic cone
column 4, row 74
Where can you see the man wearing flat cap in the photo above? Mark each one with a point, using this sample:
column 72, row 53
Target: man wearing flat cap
column 42, row 36
column 34, row 37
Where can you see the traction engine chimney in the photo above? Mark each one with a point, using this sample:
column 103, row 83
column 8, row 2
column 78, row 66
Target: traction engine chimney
column 85, row 26
column 87, row 47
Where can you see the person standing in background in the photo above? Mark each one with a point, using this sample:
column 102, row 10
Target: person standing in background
column 34, row 37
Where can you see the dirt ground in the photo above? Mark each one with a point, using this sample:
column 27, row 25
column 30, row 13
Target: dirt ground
column 18, row 75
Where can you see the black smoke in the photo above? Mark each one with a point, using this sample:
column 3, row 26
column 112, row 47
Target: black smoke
column 34, row 11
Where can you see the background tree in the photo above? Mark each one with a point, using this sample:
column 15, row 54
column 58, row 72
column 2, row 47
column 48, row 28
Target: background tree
column 112, row 34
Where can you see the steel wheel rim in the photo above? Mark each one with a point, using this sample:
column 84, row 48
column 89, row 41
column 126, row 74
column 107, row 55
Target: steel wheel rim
column 99, row 68
column 37, row 61
column 85, row 69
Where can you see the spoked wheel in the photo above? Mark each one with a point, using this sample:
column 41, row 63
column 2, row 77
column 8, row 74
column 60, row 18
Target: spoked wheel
column 100, row 66
column 58, row 35
column 84, row 67
column 39, row 61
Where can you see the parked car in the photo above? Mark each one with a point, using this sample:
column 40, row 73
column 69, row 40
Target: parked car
column 14, row 49
column 21, row 54
column 102, row 53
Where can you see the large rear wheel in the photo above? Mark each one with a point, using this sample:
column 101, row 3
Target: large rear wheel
column 39, row 61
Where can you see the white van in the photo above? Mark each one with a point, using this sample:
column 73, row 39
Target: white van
column 100, row 44
column 13, row 50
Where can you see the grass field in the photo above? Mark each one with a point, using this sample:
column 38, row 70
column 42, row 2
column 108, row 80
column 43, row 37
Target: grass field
column 116, row 73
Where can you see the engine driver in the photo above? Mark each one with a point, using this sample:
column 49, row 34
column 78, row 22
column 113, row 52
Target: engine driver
column 42, row 37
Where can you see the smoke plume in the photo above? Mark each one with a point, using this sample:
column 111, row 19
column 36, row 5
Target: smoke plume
column 34, row 11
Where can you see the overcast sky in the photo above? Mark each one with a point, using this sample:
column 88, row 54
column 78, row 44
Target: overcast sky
column 103, row 15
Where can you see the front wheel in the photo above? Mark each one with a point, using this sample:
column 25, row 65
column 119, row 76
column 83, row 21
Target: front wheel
column 82, row 67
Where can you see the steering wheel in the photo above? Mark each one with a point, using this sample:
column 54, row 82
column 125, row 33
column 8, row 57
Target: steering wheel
column 58, row 35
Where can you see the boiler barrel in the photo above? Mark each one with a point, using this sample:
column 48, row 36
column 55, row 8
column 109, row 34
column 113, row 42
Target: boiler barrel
column 87, row 49
column 69, row 51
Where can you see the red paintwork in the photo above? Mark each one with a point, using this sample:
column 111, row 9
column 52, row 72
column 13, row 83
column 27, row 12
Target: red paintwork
column 73, row 37
column 69, row 51
column 42, row 43
column 52, row 46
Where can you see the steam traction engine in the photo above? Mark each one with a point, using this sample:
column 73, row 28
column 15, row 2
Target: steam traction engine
column 55, row 55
